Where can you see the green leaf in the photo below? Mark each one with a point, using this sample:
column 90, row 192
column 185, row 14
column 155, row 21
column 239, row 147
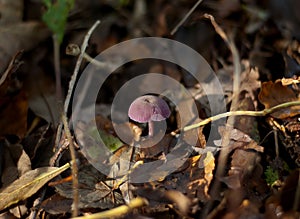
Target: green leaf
column 56, row 16
column 271, row 175
column 111, row 142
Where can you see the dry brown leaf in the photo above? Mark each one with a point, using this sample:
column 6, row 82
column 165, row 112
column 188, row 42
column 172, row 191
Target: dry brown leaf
column 57, row 204
column 247, row 124
column 239, row 140
column 20, row 36
column 250, row 81
column 13, row 102
column 246, row 210
column 191, row 182
column 16, row 163
column 245, row 179
column 93, row 191
column 14, row 116
column 11, row 12
column 273, row 94
column 28, row 184
column 290, row 81
column 42, row 100
column 161, row 168
column 201, row 175
column 162, row 146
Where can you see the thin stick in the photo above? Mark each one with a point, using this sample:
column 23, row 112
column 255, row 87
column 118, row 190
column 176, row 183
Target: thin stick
column 223, row 157
column 276, row 143
column 74, row 50
column 74, row 77
column 185, row 17
column 56, row 48
column 242, row 113
column 74, row 165
column 78, row 64
column 13, row 65
column 65, row 122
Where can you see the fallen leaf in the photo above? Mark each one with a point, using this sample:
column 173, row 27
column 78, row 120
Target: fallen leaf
column 93, row 191
column 161, row 168
column 290, row 81
column 239, row 140
column 11, row 12
column 247, row 124
column 245, row 179
column 28, row 184
column 15, row 163
column 273, row 94
column 13, row 102
column 14, row 116
column 20, row 36
column 57, row 204
column 246, row 210
column 201, row 175
column 250, row 81
column 40, row 88
column 97, row 150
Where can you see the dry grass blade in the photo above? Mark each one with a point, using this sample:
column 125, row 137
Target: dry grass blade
column 185, row 17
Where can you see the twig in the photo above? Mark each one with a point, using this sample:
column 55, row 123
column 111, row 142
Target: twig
column 74, row 165
column 78, row 63
column 56, row 46
column 242, row 113
column 13, row 65
column 74, row 50
column 220, row 171
column 126, row 176
column 118, row 211
column 74, row 77
column 185, row 17
column 235, row 54
column 65, row 122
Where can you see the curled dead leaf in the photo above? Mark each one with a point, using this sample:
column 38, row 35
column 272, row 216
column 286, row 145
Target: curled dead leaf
column 273, row 94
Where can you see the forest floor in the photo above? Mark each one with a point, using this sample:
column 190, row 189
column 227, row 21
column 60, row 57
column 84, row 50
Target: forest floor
column 228, row 70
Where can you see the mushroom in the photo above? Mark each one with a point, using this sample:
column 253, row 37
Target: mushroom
column 149, row 108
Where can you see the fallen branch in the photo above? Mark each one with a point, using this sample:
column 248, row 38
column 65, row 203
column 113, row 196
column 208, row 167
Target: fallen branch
column 264, row 112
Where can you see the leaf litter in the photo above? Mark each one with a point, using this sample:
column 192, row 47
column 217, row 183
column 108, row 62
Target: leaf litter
column 261, row 170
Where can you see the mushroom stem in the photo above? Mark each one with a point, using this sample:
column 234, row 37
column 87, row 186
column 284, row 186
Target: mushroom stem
column 150, row 128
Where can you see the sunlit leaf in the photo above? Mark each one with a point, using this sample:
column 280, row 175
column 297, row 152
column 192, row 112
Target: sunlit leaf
column 28, row 184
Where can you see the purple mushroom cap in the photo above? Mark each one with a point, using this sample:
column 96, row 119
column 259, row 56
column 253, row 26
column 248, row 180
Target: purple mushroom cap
column 148, row 108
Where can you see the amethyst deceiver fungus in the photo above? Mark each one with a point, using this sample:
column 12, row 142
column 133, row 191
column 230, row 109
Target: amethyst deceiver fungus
column 148, row 109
